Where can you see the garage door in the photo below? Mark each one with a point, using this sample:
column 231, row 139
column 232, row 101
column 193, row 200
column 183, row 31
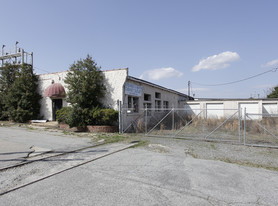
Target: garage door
column 215, row 110
column 251, row 108
column 270, row 108
column 192, row 109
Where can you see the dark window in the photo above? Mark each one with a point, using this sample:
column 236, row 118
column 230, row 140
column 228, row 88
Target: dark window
column 165, row 104
column 147, row 97
column 157, row 105
column 148, row 106
column 158, row 95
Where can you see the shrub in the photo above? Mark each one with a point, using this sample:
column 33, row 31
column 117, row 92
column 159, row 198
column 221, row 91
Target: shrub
column 105, row 116
column 63, row 115
column 75, row 116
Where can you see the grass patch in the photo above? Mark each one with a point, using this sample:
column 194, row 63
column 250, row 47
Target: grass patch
column 212, row 146
column 111, row 138
column 190, row 151
column 141, row 143
column 31, row 128
column 249, row 164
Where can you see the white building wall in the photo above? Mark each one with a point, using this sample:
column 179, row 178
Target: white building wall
column 113, row 80
column 171, row 97
column 114, row 83
column 231, row 106
column 45, row 80
column 270, row 108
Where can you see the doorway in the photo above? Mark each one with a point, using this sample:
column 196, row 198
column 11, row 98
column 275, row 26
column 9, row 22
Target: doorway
column 56, row 105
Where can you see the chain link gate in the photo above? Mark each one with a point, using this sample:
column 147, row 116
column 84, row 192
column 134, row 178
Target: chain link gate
column 235, row 126
column 261, row 129
column 182, row 123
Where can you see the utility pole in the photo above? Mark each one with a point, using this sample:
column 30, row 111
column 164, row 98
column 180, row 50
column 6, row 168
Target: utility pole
column 19, row 56
column 188, row 87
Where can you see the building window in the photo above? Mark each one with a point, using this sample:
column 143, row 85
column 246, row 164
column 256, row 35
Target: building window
column 147, row 97
column 133, row 104
column 158, row 95
column 157, row 105
column 165, row 104
column 148, row 106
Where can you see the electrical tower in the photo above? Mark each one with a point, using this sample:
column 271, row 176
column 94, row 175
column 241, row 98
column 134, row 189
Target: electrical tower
column 16, row 56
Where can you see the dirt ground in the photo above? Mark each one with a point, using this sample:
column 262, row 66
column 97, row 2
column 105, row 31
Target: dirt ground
column 259, row 157
column 266, row 158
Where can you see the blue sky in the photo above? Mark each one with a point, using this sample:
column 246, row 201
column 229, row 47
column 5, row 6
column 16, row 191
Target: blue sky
column 167, row 42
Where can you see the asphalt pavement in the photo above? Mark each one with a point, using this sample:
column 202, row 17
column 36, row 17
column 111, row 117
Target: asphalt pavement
column 155, row 174
column 142, row 177
column 16, row 143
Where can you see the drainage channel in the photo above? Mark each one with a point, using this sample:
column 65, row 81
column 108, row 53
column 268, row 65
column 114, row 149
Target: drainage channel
column 19, row 177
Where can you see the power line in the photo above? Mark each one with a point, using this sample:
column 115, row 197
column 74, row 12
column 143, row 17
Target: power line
column 41, row 69
column 233, row 82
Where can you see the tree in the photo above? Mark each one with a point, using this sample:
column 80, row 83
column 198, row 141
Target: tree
column 86, row 88
column 20, row 98
column 273, row 93
column 8, row 75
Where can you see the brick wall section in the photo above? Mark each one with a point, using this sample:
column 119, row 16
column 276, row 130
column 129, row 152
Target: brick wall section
column 105, row 129
column 93, row 129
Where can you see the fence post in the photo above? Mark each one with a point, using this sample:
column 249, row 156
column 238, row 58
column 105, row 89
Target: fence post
column 120, row 117
column 244, row 125
column 146, row 120
column 173, row 121
column 239, row 123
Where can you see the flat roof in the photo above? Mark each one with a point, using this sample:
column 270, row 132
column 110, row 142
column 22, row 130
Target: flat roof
column 235, row 99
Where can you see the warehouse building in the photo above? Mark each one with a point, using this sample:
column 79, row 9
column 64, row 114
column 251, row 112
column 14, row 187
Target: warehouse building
column 133, row 93
column 218, row 108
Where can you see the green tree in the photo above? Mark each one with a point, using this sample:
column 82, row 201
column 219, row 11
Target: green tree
column 273, row 93
column 8, row 75
column 19, row 92
column 86, row 89
column 1, row 107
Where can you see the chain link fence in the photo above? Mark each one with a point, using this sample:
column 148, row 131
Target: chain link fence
column 261, row 130
column 235, row 126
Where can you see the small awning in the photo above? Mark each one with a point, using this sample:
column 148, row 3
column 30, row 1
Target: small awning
column 55, row 90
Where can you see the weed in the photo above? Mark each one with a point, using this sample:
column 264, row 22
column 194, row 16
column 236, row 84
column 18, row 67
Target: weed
column 141, row 143
column 30, row 128
column 111, row 138
column 190, row 151
column 249, row 164
column 212, row 146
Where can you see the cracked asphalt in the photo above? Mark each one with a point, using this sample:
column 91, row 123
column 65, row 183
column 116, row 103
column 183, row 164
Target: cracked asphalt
column 163, row 172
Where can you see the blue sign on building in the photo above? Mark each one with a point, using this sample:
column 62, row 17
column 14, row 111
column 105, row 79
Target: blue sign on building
column 133, row 90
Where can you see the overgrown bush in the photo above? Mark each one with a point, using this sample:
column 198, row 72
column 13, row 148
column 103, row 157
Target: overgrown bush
column 75, row 116
column 63, row 115
column 105, row 116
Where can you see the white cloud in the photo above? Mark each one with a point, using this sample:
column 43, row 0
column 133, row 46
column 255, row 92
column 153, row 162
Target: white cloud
column 162, row 73
column 271, row 63
column 218, row 61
